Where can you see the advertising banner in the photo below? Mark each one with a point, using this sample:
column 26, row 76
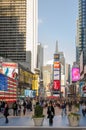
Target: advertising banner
column 3, row 82
column 8, row 88
column 30, row 93
column 56, row 69
column 84, row 89
column 56, row 57
column 56, row 85
column 56, row 75
column 56, row 65
column 10, row 69
column 75, row 74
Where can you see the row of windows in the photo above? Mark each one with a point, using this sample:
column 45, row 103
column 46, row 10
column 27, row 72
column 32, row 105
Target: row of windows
column 10, row 17
column 22, row 36
column 12, row 47
column 13, row 12
column 13, row 34
column 12, row 54
column 13, row 51
column 10, row 30
column 12, row 4
column 12, row 25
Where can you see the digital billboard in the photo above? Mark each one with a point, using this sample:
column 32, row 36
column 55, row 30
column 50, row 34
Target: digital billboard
column 56, row 75
column 56, row 57
column 30, row 93
column 56, row 84
column 10, row 69
column 56, row 71
column 75, row 74
column 8, row 88
column 3, row 82
column 56, row 64
column 84, row 89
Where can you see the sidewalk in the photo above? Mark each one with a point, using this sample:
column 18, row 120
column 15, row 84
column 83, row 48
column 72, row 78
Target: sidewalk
column 27, row 121
column 1, row 115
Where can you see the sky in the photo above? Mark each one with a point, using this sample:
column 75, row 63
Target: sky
column 57, row 22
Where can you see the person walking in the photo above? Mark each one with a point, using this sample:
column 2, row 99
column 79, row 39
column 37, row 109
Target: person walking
column 83, row 109
column 19, row 109
column 51, row 113
column 24, row 107
column 6, row 113
column 15, row 108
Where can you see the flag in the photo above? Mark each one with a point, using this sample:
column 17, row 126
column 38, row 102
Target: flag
column 8, row 88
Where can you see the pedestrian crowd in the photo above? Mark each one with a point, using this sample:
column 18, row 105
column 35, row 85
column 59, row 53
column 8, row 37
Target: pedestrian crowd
column 28, row 105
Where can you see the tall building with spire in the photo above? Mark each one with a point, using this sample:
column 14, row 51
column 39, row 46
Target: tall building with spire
column 18, row 30
column 81, row 30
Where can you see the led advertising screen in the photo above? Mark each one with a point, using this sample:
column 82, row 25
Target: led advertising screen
column 75, row 74
column 56, row 70
column 56, row 64
column 10, row 69
column 3, row 82
column 8, row 88
column 56, row 85
column 56, row 75
column 56, row 57
column 84, row 89
column 30, row 93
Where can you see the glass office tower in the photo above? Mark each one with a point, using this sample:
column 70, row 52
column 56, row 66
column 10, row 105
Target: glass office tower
column 81, row 30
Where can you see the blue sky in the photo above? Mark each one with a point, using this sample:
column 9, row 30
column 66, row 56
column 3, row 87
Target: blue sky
column 57, row 21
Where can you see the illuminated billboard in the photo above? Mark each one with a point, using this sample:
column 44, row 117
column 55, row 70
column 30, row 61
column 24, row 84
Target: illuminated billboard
column 56, row 84
column 30, row 93
column 10, row 69
column 56, row 57
column 3, row 82
column 84, row 89
column 8, row 88
column 75, row 74
column 56, row 65
column 56, row 75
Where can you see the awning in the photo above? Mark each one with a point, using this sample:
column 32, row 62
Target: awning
column 53, row 97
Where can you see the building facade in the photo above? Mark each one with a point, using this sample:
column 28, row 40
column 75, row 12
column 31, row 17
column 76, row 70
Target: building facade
column 67, row 73
column 18, row 30
column 40, row 59
column 47, row 79
column 81, row 30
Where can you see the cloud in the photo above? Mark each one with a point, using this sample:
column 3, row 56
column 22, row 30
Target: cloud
column 40, row 21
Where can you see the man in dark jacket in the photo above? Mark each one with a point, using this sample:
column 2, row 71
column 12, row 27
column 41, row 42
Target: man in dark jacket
column 15, row 108
column 51, row 113
column 6, row 113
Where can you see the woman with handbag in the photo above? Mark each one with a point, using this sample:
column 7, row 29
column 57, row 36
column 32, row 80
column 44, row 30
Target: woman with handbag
column 51, row 113
column 6, row 113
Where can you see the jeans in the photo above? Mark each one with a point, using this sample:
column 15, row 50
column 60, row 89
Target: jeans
column 63, row 112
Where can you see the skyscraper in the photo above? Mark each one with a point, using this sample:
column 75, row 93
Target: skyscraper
column 40, row 59
column 67, row 73
column 81, row 30
column 18, row 30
